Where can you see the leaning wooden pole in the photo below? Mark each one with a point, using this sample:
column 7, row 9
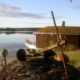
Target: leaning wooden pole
column 58, row 40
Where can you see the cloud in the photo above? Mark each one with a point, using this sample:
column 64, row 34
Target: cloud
column 13, row 11
column 7, row 8
column 75, row 7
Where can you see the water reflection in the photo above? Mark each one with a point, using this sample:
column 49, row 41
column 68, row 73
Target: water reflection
column 14, row 42
column 16, row 38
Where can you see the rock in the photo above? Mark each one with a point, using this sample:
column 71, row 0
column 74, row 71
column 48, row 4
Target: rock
column 38, row 69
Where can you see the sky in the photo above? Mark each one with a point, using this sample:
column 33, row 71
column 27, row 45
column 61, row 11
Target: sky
column 37, row 13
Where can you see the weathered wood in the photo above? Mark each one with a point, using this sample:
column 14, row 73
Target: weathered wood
column 22, row 54
column 51, row 47
column 60, row 47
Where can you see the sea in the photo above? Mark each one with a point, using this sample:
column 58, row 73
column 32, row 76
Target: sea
column 14, row 42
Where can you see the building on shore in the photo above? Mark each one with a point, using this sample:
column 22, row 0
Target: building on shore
column 47, row 35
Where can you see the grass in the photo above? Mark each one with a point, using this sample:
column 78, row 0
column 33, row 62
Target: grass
column 74, row 57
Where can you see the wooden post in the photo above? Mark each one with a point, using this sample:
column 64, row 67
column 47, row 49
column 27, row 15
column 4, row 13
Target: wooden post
column 60, row 47
column 70, row 0
column 4, row 55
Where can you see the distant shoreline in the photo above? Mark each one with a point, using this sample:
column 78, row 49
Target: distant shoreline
column 14, row 32
column 18, row 30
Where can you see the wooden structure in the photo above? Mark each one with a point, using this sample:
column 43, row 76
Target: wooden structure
column 47, row 35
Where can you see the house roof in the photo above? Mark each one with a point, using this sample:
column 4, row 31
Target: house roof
column 62, row 30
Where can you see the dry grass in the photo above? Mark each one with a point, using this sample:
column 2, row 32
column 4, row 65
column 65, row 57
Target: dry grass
column 62, row 30
column 74, row 57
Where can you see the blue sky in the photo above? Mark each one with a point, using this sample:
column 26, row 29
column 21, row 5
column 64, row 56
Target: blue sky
column 37, row 13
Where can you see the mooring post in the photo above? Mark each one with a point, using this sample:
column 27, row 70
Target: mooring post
column 4, row 62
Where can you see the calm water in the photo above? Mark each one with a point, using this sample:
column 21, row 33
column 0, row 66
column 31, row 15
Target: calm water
column 14, row 42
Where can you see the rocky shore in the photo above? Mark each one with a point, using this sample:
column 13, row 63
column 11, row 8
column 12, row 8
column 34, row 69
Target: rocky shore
column 38, row 69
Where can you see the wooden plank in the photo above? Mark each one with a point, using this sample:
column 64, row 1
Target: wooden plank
column 51, row 47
